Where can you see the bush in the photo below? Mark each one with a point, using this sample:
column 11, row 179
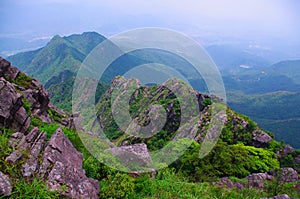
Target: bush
column 117, row 186
column 32, row 189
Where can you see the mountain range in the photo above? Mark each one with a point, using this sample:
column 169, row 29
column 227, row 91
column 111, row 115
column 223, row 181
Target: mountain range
column 268, row 93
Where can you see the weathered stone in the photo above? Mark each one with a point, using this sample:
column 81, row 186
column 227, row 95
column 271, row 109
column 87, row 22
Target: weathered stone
column 15, row 139
column 62, row 164
column 257, row 180
column 227, row 183
column 132, row 155
column 31, row 164
column 261, row 139
column 78, row 185
column 5, row 186
column 285, row 174
column 12, row 73
column 285, row 151
column 12, row 114
column 23, row 146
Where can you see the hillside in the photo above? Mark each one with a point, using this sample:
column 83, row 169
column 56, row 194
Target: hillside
column 275, row 111
column 43, row 157
column 56, row 63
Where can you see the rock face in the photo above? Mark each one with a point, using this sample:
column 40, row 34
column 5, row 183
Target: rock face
column 21, row 96
column 61, row 163
column 261, row 139
column 12, row 113
column 5, row 186
column 136, row 154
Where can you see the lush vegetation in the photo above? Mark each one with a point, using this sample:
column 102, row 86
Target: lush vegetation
column 276, row 112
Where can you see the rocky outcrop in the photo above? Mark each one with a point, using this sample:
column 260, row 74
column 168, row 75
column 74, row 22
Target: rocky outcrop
column 285, row 151
column 62, row 165
column 257, row 180
column 21, row 97
column 57, row 162
column 12, row 113
column 261, row 139
column 5, row 186
column 285, row 174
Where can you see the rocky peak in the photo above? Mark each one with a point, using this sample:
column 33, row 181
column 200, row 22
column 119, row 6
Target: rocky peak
column 143, row 99
column 22, row 97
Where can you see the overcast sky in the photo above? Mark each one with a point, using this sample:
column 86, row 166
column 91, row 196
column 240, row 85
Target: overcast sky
column 237, row 18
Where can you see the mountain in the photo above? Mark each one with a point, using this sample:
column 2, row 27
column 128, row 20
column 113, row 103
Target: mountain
column 43, row 156
column 246, row 76
column 61, row 53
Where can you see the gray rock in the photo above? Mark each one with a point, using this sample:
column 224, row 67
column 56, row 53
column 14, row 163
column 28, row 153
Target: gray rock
column 227, row 183
column 31, row 165
column 25, row 144
column 285, row 151
column 132, row 155
column 285, row 174
column 257, row 180
column 10, row 104
column 62, row 165
column 5, row 186
column 15, row 139
column 261, row 139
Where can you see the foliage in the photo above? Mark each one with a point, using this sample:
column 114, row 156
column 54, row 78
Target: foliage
column 117, row 186
column 225, row 160
column 57, row 117
column 35, row 188
column 24, row 80
column 169, row 184
column 206, row 102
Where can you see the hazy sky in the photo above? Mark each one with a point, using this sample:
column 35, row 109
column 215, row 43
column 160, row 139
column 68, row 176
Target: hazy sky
column 237, row 18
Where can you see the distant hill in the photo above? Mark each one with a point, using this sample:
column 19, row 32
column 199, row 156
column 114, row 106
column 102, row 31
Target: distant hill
column 290, row 68
column 227, row 57
column 277, row 111
column 61, row 53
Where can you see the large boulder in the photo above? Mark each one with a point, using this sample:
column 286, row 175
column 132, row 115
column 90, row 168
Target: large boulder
column 57, row 162
column 132, row 155
column 261, row 139
column 62, row 165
